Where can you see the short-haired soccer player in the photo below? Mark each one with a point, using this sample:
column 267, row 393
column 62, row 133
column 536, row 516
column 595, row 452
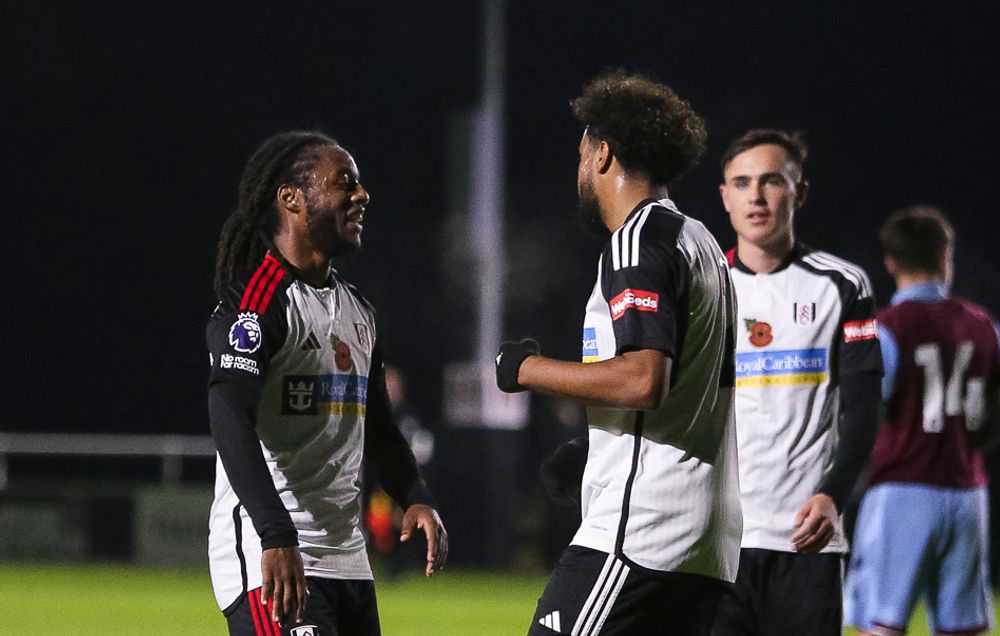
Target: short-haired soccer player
column 659, row 539
column 807, row 381
column 922, row 530
column 296, row 398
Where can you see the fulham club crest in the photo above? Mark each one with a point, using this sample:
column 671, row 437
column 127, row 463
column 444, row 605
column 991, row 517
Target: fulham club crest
column 804, row 313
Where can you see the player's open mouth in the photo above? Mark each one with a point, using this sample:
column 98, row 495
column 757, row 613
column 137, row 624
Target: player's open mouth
column 757, row 217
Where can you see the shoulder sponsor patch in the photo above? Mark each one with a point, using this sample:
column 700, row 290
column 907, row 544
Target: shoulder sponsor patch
column 245, row 334
column 589, row 353
column 639, row 299
column 860, row 330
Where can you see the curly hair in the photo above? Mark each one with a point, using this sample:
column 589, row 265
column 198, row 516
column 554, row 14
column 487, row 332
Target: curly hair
column 648, row 127
column 794, row 144
column 917, row 237
column 285, row 158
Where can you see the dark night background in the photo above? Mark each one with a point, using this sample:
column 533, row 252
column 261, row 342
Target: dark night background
column 125, row 127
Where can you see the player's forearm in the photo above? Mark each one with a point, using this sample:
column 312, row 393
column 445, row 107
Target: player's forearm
column 387, row 449
column 858, row 428
column 635, row 380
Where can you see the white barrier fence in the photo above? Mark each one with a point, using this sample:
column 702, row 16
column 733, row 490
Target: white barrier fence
column 171, row 449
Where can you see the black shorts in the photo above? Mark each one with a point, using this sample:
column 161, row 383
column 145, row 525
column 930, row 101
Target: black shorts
column 781, row 593
column 592, row 592
column 335, row 607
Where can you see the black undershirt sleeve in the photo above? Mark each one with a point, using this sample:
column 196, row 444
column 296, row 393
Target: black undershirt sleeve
column 385, row 447
column 232, row 408
column 860, row 396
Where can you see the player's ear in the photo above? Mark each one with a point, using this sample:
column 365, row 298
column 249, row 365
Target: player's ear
column 724, row 193
column 801, row 192
column 289, row 198
column 603, row 157
column 890, row 265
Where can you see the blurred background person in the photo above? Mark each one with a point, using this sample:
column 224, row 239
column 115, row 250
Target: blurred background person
column 923, row 529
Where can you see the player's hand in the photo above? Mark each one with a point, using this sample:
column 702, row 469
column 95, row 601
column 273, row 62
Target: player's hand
column 815, row 524
column 508, row 362
column 284, row 589
column 426, row 518
column 562, row 472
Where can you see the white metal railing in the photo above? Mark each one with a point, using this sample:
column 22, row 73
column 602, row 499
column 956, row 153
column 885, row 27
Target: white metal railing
column 171, row 449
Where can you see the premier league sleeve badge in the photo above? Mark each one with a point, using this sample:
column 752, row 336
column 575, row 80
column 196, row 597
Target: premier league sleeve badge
column 245, row 334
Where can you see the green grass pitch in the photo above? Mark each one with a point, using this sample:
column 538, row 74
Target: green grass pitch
column 111, row 600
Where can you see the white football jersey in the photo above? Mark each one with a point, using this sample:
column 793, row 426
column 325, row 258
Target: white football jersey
column 660, row 487
column 308, row 352
column 800, row 328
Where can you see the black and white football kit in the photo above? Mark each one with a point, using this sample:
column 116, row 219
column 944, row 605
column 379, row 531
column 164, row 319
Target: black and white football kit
column 808, row 365
column 296, row 399
column 660, row 496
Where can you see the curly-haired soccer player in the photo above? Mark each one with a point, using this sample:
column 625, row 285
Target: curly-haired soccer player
column 659, row 541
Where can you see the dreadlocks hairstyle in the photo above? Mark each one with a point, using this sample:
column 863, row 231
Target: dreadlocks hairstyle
column 917, row 237
column 793, row 142
column 286, row 158
column 647, row 126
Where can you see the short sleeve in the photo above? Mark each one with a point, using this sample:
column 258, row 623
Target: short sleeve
column 242, row 343
column 644, row 281
column 857, row 340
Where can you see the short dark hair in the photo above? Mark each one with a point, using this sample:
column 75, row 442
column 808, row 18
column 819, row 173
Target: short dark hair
column 917, row 237
column 647, row 126
column 793, row 142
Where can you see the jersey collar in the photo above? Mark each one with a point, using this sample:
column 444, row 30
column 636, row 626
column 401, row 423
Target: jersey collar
column 296, row 273
column 798, row 251
column 925, row 292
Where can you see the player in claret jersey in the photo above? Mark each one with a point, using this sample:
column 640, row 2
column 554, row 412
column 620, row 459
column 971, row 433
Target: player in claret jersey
column 807, row 380
column 922, row 531
column 659, row 539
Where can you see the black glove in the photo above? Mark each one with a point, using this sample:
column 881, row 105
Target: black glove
column 509, row 360
column 562, row 472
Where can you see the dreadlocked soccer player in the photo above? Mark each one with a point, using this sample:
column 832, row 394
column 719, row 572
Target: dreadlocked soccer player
column 296, row 398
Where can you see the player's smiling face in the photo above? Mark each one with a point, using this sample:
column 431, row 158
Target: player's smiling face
column 335, row 202
column 761, row 192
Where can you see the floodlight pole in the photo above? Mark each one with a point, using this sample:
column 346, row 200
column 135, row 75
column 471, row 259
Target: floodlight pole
column 488, row 178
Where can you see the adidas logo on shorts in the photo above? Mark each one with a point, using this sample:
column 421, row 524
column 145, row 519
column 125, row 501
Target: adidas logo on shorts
column 551, row 621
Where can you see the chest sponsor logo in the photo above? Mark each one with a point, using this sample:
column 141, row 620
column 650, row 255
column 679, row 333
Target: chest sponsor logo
column 305, row 630
column 324, row 395
column 589, row 353
column 760, row 332
column 804, row 313
column 229, row 361
column 775, row 368
column 860, row 330
column 639, row 299
column 245, row 334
